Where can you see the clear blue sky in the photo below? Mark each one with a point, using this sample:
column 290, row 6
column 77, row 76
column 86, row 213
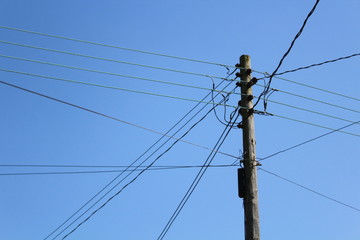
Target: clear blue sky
column 35, row 130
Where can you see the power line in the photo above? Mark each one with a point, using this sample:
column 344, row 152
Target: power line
column 153, row 168
column 266, row 91
column 104, row 115
column 110, row 60
column 292, row 43
column 198, row 177
column 112, row 46
column 316, row 100
column 311, row 111
column 308, row 141
column 104, row 86
column 316, row 125
column 106, row 73
column 319, row 89
column 125, row 186
column 319, row 64
column 310, row 190
column 133, row 164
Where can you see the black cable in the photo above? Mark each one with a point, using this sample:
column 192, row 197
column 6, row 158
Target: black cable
column 197, row 179
column 311, row 190
column 287, row 52
column 318, row 64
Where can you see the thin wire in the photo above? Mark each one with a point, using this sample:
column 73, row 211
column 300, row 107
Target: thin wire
column 197, row 179
column 153, row 168
column 308, row 141
column 87, row 166
column 125, row 186
column 112, row 46
column 135, row 162
column 316, row 100
column 319, row 89
column 317, row 125
column 103, row 86
column 311, row 111
column 106, row 73
column 319, row 64
column 311, row 190
column 106, row 116
column 109, row 60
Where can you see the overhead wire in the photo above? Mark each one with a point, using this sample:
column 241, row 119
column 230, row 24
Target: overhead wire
column 316, row 125
column 308, row 141
column 310, row 190
column 308, row 110
column 110, row 60
column 153, row 168
column 103, row 115
column 104, row 86
column 103, row 189
column 315, row 100
column 125, row 186
column 102, row 72
column 173, row 97
column 266, row 91
column 319, row 64
column 198, row 177
column 112, row 46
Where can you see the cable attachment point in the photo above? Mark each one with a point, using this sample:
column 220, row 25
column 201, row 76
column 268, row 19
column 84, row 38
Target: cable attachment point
column 237, row 65
column 248, row 71
column 249, row 112
column 238, row 74
column 239, row 84
column 250, row 97
column 252, row 82
column 240, row 125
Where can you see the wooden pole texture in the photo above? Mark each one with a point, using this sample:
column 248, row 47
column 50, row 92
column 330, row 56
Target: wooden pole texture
column 251, row 209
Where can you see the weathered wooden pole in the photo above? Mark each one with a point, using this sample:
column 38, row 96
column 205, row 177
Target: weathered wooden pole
column 251, row 208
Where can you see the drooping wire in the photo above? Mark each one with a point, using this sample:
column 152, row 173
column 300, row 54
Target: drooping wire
column 125, row 186
column 310, row 190
column 111, row 46
column 198, row 177
column 318, row 64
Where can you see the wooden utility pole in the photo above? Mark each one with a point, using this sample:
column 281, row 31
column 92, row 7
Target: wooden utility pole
column 250, row 188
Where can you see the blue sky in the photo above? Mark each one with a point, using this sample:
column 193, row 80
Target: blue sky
column 35, row 130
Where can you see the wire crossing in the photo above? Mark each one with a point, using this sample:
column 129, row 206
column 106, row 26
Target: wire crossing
column 136, row 167
column 198, row 177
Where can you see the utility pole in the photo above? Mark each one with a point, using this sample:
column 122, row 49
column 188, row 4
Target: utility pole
column 248, row 188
